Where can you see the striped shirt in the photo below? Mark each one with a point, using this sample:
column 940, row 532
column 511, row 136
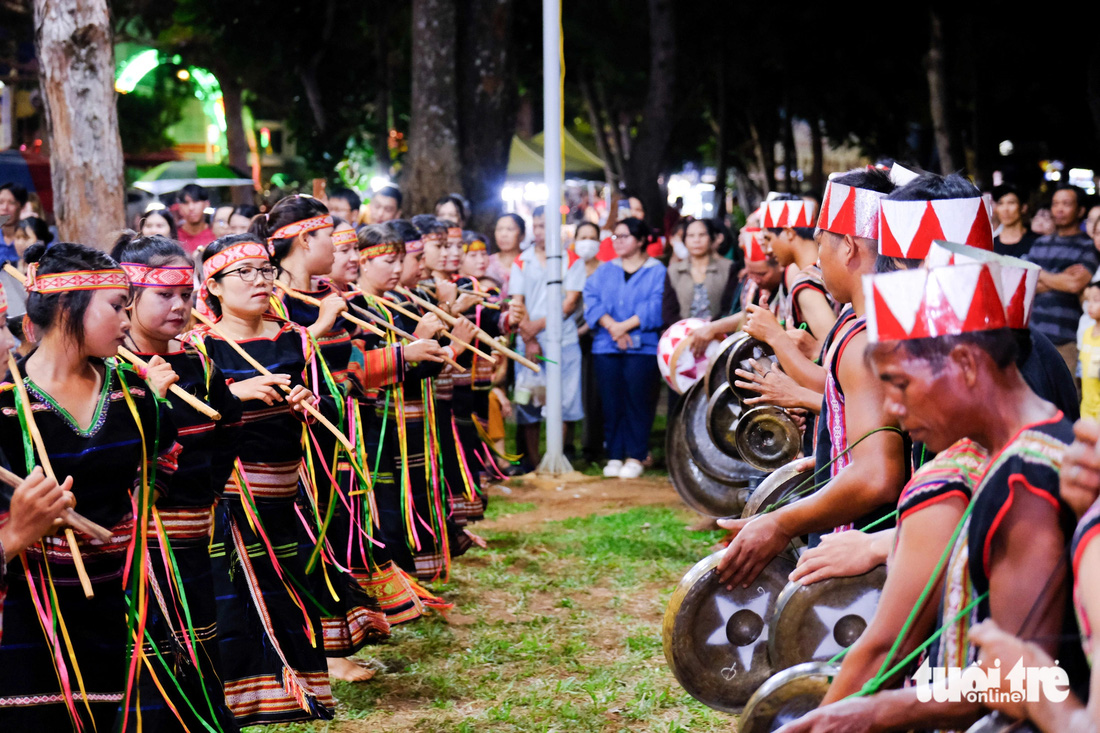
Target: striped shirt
column 1055, row 314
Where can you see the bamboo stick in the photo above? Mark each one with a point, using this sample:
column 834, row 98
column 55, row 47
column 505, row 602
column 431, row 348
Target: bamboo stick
column 44, row 458
column 400, row 332
column 482, row 336
column 175, row 389
column 298, row 295
column 313, row 411
column 416, row 317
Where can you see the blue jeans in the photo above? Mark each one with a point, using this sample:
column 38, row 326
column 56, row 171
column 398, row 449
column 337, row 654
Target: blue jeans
column 629, row 384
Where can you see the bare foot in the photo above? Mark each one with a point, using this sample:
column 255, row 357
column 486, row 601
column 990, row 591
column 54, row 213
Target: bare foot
column 477, row 540
column 345, row 669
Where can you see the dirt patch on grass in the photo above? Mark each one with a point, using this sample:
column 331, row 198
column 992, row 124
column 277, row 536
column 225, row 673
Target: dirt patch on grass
column 563, row 500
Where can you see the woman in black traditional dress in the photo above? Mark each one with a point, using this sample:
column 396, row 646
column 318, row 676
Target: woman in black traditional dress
column 409, row 485
column 65, row 662
column 269, row 623
column 183, row 622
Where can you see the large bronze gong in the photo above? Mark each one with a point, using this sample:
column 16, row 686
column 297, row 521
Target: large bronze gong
column 813, row 623
column 780, row 485
column 716, row 370
column 716, row 639
column 739, row 354
column 767, row 438
column 786, row 697
column 723, row 413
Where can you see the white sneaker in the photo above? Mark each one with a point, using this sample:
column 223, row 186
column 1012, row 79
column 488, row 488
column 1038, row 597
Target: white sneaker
column 612, row 469
column 631, row 469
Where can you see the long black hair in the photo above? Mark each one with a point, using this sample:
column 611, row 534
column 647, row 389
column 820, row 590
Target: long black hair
column 46, row 309
column 287, row 211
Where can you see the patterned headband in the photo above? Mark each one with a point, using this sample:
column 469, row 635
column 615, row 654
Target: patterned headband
column 60, row 282
column 454, row 234
column 414, row 246
column 344, row 236
column 3, row 301
column 380, row 250
column 144, row 276
column 433, row 237
column 301, row 227
column 475, row 246
column 234, row 254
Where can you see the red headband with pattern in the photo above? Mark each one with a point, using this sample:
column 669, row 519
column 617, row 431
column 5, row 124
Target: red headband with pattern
column 145, row 276
column 414, row 246
column 3, row 301
column 380, row 250
column 60, row 282
column 475, row 246
column 301, row 227
column 454, row 234
column 234, row 254
column 344, row 236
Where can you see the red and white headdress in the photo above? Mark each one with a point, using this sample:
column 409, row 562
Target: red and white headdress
column 3, row 302
column 847, row 210
column 146, row 276
column 60, row 282
column 925, row 303
column 301, row 227
column 1018, row 278
column 780, row 214
column 908, row 228
column 752, row 242
column 344, row 236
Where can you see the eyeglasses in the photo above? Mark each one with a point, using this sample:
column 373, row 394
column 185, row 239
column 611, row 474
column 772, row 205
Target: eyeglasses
column 249, row 273
column 617, row 237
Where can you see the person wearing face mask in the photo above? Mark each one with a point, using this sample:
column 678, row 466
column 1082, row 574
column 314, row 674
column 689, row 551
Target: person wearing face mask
column 700, row 285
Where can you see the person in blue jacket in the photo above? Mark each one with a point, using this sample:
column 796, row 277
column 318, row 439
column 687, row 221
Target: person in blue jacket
column 622, row 304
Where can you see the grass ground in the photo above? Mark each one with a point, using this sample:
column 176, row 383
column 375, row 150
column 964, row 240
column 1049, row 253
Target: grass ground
column 557, row 626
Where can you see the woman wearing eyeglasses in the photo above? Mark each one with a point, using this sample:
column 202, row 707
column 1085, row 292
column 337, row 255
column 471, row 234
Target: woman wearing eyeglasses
column 270, row 630
column 623, row 307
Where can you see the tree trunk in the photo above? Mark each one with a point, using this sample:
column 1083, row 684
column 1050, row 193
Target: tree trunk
column 77, row 72
column 235, row 139
column 720, row 169
column 618, row 149
column 487, row 104
column 308, row 72
column 790, row 154
column 817, row 142
column 598, row 131
column 384, row 81
column 433, row 159
column 938, row 99
column 655, row 129
column 765, row 155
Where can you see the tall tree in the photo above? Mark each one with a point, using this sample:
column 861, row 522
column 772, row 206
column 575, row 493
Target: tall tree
column 647, row 153
column 77, row 70
column 486, row 86
column 433, row 160
column 939, row 101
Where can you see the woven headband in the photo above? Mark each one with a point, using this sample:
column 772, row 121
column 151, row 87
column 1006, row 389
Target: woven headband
column 414, row 246
column 145, row 276
column 3, row 301
column 301, row 227
column 234, row 254
column 475, row 246
column 380, row 250
column 60, row 282
column 344, row 236
column 454, row 234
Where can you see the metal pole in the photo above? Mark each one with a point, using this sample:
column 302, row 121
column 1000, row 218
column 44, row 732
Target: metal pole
column 553, row 462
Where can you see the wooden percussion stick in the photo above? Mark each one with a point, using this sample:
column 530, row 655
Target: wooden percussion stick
column 401, row 333
column 368, row 326
column 482, row 336
column 175, row 389
column 416, row 317
column 36, row 437
column 70, row 516
column 263, row 370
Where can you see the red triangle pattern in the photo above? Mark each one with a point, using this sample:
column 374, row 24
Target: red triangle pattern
column 981, row 232
column 887, row 325
column 845, row 219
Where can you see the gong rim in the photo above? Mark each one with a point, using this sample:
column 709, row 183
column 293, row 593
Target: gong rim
column 712, row 461
column 738, row 353
column 717, row 374
column 703, row 615
column 805, row 681
column 698, row 489
column 723, row 434
column 828, row 615
column 762, row 427
column 780, row 483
